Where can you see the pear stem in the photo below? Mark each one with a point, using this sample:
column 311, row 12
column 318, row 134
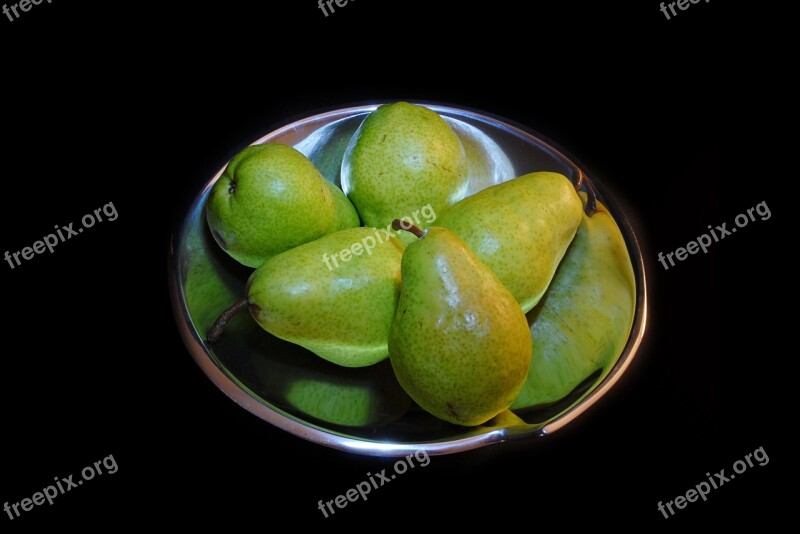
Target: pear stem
column 580, row 180
column 222, row 320
column 397, row 224
column 591, row 193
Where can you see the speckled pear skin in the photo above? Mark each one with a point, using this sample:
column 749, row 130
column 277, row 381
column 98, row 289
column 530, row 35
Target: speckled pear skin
column 346, row 215
column 459, row 345
column 270, row 199
column 341, row 313
column 583, row 322
column 520, row 229
column 402, row 158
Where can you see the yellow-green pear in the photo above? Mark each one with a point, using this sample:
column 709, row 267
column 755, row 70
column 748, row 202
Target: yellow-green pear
column 459, row 343
column 270, row 199
column 520, row 229
column 583, row 322
column 401, row 158
column 335, row 296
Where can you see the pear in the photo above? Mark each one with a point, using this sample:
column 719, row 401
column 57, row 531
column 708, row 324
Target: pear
column 401, row 158
column 271, row 198
column 335, row 296
column 459, row 343
column 584, row 321
column 520, row 229
column 289, row 377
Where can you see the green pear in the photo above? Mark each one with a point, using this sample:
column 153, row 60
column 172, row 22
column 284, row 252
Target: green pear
column 520, row 229
column 335, row 296
column 293, row 379
column 583, row 323
column 271, row 198
column 505, row 419
column 401, row 158
column 459, row 344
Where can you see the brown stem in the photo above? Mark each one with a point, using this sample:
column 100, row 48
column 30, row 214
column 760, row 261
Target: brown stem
column 222, row 320
column 579, row 181
column 591, row 199
column 397, row 224
column 591, row 193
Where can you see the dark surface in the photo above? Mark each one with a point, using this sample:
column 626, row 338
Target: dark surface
column 674, row 115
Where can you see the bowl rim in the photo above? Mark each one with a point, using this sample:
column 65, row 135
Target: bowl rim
column 480, row 436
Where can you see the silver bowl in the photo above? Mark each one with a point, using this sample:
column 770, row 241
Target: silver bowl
column 364, row 410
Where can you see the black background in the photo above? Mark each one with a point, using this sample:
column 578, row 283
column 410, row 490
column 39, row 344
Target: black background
column 140, row 104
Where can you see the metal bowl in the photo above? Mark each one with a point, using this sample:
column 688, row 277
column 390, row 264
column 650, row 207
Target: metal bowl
column 364, row 410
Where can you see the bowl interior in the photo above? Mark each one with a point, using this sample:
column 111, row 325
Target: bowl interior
column 363, row 410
